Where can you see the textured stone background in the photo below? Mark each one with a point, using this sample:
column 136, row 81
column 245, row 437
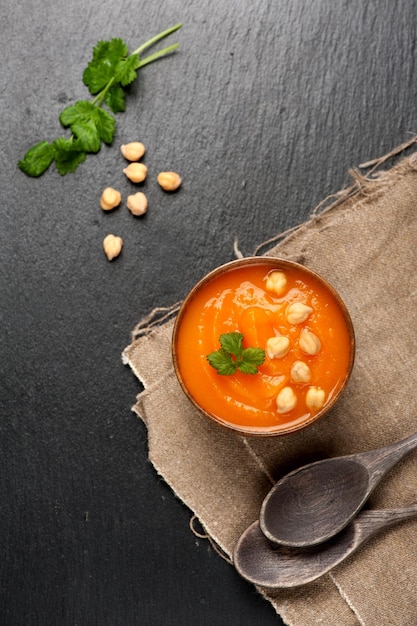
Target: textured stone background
column 262, row 111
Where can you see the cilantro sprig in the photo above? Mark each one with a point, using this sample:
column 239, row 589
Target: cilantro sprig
column 232, row 356
column 106, row 76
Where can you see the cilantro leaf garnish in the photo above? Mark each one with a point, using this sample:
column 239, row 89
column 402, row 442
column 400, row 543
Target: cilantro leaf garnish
column 232, row 356
column 89, row 124
column 37, row 159
column 222, row 361
column 115, row 99
column 68, row 155
column 101, row 69
column 125, row 72
column 106, row 76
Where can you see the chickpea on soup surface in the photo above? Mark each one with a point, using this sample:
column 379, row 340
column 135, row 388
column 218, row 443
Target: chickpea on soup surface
column 293, row 317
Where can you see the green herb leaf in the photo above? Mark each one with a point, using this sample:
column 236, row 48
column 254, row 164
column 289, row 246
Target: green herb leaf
column 37, row 159
column 68, row 155
column 96, row 77
column 115, row 99
column 87, row 135
column 125, row 71
column 251, row 359
column 106, row 125
column 223, row 362
column 232, row 342
column 232, row 356
column 89, row 124
column 101, row 69
column 77, row 112
column 109, row 51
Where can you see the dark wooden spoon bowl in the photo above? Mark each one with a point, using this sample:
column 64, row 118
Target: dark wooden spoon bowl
column 313, row 503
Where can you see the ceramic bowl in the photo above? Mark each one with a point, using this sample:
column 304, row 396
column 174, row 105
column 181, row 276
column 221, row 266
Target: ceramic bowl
column 277, row 306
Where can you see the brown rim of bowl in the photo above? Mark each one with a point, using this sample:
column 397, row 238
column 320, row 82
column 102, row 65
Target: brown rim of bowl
column 280, row 263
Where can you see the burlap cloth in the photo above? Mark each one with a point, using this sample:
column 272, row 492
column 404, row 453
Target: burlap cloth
column 364, row 242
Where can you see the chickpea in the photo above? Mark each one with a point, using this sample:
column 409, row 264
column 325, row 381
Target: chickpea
column 169, row 181
column 136, row 172
column 309, row 342
column 137, row 203
column 286, row 400
column 297, row 312
column 315, row 398
column 110, row 199
column 276, row 282
column 132, row 151
column 112, row 246
column 300, row 372
column 277, row 347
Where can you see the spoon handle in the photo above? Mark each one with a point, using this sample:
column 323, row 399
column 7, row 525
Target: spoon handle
column 383, row 459
column 368, row 523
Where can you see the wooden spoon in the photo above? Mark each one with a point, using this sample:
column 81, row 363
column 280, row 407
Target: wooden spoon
column 273, row 566
column 316, row 501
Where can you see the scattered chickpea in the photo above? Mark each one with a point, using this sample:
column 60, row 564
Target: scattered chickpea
column 276, row 282
column 136, row 172
column 309, row 342
column 132, row 151
column 300, row 372
column 137, row 203
column 110, row 199
column 277, row 347
column 297, row 313
column 112, row 246
column 169, row 181
column 315, row 398
column 286, row 400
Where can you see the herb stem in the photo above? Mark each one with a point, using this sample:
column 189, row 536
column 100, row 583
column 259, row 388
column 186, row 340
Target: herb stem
column 157, row 55
column 101, row 95
column 157, row 38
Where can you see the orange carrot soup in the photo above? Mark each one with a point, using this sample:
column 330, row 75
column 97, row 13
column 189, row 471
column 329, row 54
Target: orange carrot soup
column 297, row 321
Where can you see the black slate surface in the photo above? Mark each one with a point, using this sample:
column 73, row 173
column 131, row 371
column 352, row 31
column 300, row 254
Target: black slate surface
column 262, row 111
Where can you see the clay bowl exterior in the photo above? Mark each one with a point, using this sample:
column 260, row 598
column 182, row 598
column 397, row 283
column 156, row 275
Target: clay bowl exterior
column 280, row 265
